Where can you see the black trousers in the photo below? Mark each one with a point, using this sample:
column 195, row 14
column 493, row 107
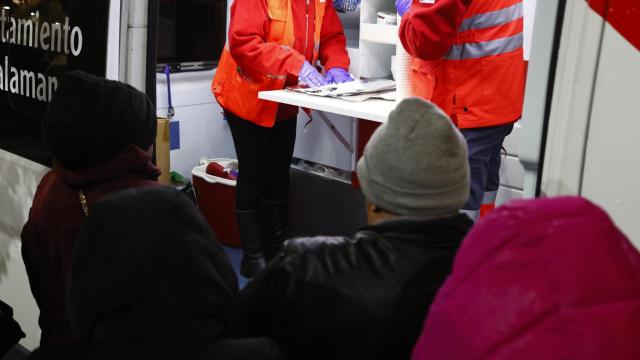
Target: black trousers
column 264, row 157
column 484, row 146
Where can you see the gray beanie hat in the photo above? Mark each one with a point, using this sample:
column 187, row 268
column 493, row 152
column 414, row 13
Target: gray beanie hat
column 416, row 163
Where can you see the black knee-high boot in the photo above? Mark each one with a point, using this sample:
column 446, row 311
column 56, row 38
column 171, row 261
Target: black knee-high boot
column 275, row 213
column 252, row 235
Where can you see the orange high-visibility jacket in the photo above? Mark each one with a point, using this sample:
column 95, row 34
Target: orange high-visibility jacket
column 236, row 87
column 468, row 58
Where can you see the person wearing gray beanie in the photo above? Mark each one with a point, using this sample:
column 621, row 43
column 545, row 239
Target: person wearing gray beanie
column 416, row 163
column 366, row 295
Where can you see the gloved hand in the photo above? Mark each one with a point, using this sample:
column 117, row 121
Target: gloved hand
column 310, row 76
column 402, row 6
column 337, row 75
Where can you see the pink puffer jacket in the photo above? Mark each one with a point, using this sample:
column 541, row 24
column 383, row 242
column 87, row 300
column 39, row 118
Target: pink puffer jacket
column 543, row 279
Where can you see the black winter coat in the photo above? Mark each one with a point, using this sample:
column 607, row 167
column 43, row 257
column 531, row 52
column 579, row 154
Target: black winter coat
column 149, row 281
column 363, row 297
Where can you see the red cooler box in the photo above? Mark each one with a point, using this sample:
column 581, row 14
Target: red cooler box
column 216, row 199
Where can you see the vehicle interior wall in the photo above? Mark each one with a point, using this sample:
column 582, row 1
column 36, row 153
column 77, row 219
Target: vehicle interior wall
column 205, row 134
column 592, row 147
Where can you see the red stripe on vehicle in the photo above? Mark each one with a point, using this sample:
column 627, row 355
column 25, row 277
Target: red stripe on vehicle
column 623, row 15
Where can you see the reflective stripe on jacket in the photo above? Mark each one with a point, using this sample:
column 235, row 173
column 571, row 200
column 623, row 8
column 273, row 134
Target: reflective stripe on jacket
column 237, row 83
column 475, row 69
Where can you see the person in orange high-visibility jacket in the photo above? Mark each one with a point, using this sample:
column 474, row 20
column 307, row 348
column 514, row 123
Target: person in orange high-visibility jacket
column 468, row 59
column 272, row 44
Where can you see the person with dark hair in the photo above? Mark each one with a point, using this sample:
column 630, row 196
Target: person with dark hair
column 149, row 281
column 101, row 135
column 365, row 296
column 549, row 279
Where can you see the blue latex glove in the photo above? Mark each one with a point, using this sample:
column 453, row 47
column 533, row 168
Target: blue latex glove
column 337, row 76
column 310, row 76
column 402, row 6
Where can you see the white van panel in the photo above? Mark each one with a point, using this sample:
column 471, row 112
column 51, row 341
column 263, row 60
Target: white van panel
column 611, row 169
column 571, row 105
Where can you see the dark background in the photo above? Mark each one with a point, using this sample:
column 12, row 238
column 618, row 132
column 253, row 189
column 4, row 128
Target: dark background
column 191, row 30
column 20, row 116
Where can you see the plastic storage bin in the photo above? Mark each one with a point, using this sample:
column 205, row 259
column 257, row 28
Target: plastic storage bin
column 216, row 198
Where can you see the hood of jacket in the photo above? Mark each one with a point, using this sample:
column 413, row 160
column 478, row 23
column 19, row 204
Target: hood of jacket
column 56, row 213
column 147, row 268
column 130, row 162
column 541, row 279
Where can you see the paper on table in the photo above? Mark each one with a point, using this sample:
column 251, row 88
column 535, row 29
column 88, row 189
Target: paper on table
column 383, row 95
column 330, row 89
column 355, row 87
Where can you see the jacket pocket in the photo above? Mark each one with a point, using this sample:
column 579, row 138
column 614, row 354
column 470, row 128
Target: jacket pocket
column 277, row 19
column 424, row 77
column 278, row 12
column 245, row 101
column 503, row 86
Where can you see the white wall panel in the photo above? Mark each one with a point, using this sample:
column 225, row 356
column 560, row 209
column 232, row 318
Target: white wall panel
column 187, row 88
column 511, row 170
column 529, row 16
column 19, row 179
column 506, row 194
column 511, row 142
column 113, row 41
column 203, row 131
column 512, row 173
column 317, row 143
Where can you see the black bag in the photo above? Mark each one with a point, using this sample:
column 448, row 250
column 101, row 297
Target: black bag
column 10, row 331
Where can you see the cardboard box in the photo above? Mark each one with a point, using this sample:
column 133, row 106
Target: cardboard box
column 162, row 151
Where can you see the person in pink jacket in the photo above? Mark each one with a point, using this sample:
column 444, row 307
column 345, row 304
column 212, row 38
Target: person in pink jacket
column 539, row 279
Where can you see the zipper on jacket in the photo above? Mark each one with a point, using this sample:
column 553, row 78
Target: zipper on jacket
column 306, row 31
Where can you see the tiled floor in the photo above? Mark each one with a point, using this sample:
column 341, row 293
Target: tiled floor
column 235, row 255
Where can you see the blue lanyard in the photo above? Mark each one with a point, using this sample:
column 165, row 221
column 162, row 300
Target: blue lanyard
column 167, row 72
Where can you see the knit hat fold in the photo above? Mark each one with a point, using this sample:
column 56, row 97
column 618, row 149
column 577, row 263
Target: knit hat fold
column 416, row 163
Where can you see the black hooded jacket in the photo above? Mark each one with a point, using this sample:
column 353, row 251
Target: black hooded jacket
column 149, row 281
column 362, row 297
